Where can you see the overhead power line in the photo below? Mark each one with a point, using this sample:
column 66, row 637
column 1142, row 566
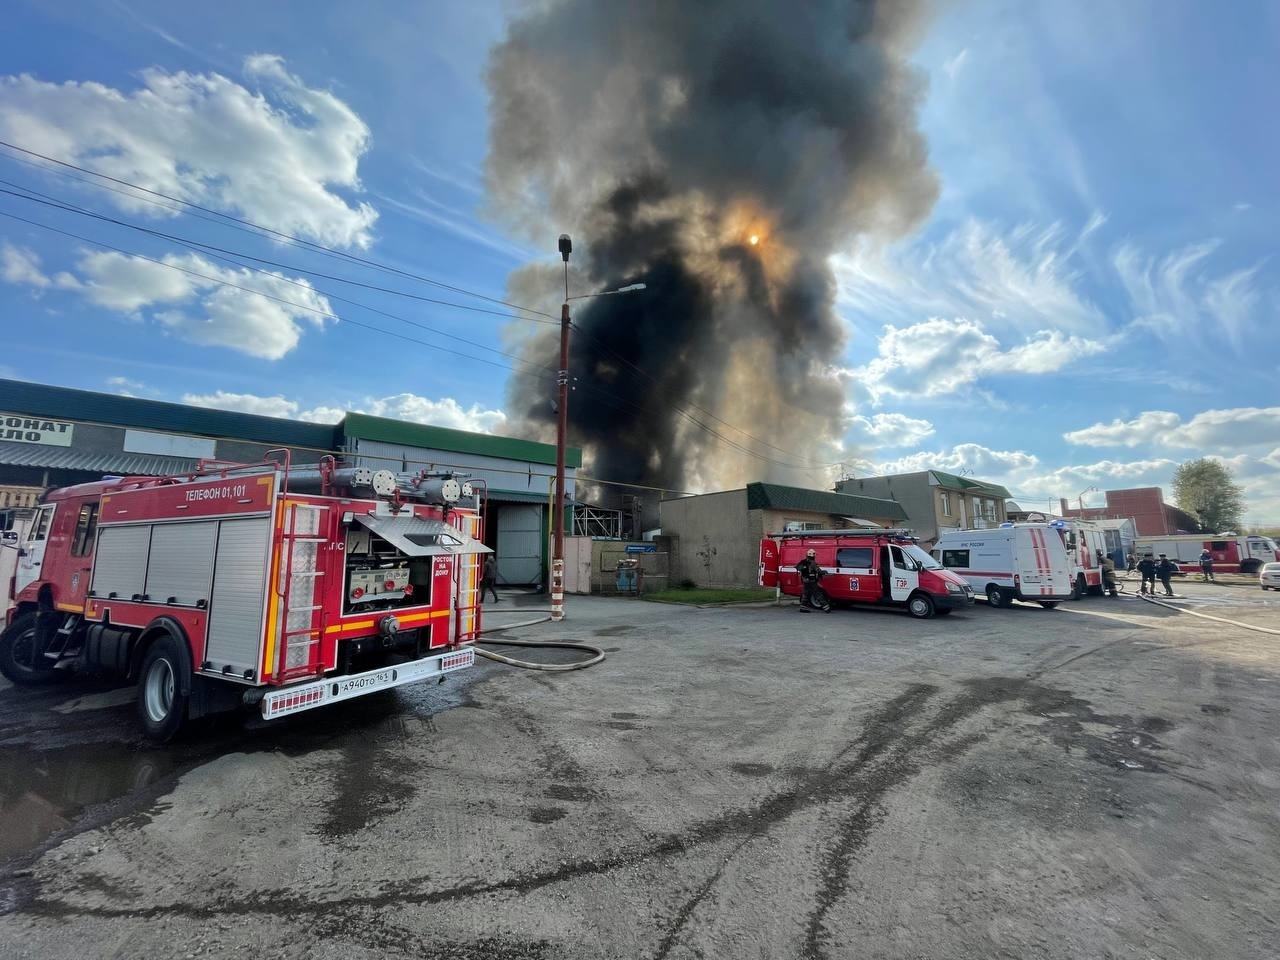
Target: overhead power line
column 279, row 235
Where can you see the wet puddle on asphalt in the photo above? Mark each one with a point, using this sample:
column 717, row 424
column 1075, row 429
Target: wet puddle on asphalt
column 43, row 791
column 70, row 755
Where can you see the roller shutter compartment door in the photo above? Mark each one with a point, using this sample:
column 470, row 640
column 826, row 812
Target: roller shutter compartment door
column 519, row 550
column 120, row 562
column 181, row 563
column 237, row 607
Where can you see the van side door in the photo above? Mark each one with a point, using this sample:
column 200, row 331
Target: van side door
column 904, row 577
column 855, row 575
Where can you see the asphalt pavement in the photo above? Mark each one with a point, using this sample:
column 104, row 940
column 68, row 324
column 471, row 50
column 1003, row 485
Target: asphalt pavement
column 1099, row 780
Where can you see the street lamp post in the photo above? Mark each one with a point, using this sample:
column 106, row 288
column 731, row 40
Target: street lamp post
column 562, row 429
column 1080, row 498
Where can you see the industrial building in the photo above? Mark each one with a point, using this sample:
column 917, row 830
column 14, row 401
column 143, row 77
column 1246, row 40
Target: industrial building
column 714, row 538
column 1145, row 506
column 55, row 436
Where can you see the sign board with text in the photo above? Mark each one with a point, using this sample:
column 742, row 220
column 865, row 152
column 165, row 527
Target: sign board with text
column 19, row 428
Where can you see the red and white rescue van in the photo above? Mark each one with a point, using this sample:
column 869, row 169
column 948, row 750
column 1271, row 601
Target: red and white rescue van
column 1015, row 561
column 248, row 585
column 1231, row 552
column 883, row 568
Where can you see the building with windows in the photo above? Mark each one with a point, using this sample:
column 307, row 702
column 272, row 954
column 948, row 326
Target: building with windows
column 56, row 437
column 714, row 538
column 936, row 502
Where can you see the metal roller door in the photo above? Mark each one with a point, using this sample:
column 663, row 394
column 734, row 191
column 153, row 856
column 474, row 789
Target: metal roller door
column 519, row 552
column 236, row 610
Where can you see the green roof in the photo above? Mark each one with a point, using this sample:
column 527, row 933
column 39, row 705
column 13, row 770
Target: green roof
column 85, row 406
column 964, row 483
column 772, row 496
column 361, row 426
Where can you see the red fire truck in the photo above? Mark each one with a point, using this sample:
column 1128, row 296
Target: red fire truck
column 251, row 585
column 880, row 567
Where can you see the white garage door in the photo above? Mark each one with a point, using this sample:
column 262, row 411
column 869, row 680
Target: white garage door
column 519, row 550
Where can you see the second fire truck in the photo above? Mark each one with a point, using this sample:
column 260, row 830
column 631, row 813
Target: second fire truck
column 248, row 585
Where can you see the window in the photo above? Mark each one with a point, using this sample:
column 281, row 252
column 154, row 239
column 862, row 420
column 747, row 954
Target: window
column 1217, row 544
column 946, row 504
column 900, row 561
column 86, row 526
column 956, row 558
column 859, row 557
column 792, row 526
column 40, row 529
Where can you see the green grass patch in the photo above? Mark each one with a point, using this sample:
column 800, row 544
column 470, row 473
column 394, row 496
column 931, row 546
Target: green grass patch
column 701, row 595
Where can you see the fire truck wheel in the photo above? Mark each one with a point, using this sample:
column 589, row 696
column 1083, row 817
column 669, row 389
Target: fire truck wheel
column 162, row 706
column 1081, row 588
column 18, row 658
column 920, row 606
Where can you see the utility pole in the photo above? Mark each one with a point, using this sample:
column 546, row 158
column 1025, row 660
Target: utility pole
column 562, row 428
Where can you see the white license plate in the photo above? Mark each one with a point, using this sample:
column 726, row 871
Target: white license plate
column 369, row 681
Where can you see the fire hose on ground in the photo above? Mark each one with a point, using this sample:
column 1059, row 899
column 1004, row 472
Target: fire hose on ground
column 1206, row 616
column 597, row 655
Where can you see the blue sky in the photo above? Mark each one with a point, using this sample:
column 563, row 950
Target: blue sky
column 1092, row 300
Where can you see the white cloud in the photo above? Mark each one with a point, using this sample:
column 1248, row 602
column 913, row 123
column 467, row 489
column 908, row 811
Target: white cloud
column 953, row 65
column 274, row 154
column 970, row 458
column 1179, row 299
column 264, row 319
column 445, row 412
column 886, row 430
column 276, row 406
column 1023, row 278
column 128, row 388
column 22, row 265
column 1211, row 430
column 938, row 356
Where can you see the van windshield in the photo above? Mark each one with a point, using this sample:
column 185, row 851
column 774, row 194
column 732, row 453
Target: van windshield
column 922, row 558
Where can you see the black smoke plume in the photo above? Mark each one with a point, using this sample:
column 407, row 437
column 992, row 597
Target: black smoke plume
column 665, row 136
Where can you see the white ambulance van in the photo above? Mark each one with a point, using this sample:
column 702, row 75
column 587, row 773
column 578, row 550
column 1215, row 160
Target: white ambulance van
column 1015, row 561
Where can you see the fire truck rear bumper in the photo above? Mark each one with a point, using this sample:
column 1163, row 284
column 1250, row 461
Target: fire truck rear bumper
column 306, row 696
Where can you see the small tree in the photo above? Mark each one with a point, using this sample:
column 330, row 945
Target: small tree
column 1206, row 489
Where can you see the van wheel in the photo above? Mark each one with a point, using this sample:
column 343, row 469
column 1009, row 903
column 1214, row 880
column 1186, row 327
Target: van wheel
column 1250, row 566
column 920, row 606
column 997, row 597
column 1048, row 604
column 162, row 706
column 20, row 660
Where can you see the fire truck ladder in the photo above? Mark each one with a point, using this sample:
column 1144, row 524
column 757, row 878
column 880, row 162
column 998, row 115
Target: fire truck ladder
column 299, row 582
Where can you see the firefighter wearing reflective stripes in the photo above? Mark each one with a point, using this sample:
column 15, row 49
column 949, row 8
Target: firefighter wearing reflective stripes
column 810, row 574
column 1108, row 573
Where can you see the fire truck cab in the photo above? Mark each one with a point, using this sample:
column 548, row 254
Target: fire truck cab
column 882, row 568
column 247, row 585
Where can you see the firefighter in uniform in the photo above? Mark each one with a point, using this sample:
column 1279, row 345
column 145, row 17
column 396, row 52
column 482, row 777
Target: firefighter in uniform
column 810, row 574
column 1165, row 569
column 1206, row 565
column 1108, row 573
column 1147, row 567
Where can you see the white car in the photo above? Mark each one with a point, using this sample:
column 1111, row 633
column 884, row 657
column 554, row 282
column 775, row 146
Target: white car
column 1269, row 576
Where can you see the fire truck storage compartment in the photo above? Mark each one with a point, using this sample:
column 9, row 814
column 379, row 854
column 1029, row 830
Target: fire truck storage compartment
column 120, row 562
column 238, row 602
column 386, row 554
